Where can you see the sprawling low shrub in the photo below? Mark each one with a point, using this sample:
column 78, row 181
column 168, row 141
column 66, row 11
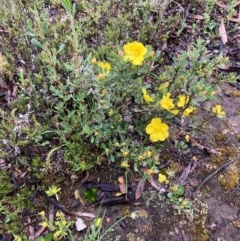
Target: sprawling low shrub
column 127, row 104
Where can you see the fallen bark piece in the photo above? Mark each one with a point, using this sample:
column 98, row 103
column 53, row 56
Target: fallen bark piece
column 122, row 185
column 111, row 201
column 104, row 187
column 139, row 189
column 222, row 32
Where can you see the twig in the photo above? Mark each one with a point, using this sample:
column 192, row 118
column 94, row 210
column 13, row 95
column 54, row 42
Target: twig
column 64, row 209
column 210, row 176
column 82, row 181
column 39, row 232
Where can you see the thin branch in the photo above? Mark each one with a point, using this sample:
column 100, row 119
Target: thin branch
column 64, row 209
column 210, row 176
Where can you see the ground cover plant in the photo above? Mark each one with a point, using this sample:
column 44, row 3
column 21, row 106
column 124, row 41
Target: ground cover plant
column 87, row 85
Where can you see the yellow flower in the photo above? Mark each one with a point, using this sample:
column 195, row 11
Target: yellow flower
column 42, row 213
column 140, row 157
column 174, row 112
column 64, row 222
column 187, row 138
column 57, row 234
column 116, row 144
column 167, row 103
column 184, row 202
column 174, row 188
column 183, row 100
column 217, row 109
column 98, row 221
column 213, row 93
column 59, row 214
column 188, row 111
column 134, row 52
column 105, row 67
column 125, row 153
column 44, row 224
column 146, row 96
column 157, row 130
column 162, row 178
column 147, row 154
column 124, row 164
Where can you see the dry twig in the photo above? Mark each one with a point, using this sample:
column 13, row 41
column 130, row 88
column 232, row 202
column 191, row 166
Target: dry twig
column 210, row 176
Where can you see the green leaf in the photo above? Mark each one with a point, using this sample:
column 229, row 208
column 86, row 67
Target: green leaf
column 170, row 195
column 112, row 158
column 36, row 43
column 60, row 48
column 180, row 190
column 67, row 4
column 29, row 23
column 48, row 237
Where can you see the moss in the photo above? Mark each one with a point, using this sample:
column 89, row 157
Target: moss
column 226, row 153
column 91, row 194
column 230, row 178
column 174, row 167
column 236, row 93
column 220, row 138
column 56, row 2
column 126, row 211
column 203, row 236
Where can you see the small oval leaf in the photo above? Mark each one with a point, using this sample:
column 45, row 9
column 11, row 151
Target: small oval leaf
column 36, row 43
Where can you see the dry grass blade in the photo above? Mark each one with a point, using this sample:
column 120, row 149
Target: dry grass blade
column 222, row 5
column 31, row 231
column 222, row 32
column 156, row 185
column 196, row 16
column 182, row 179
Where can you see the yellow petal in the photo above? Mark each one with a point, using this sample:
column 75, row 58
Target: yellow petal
column 162, row 178
column 98, row 222
column 124, row 164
